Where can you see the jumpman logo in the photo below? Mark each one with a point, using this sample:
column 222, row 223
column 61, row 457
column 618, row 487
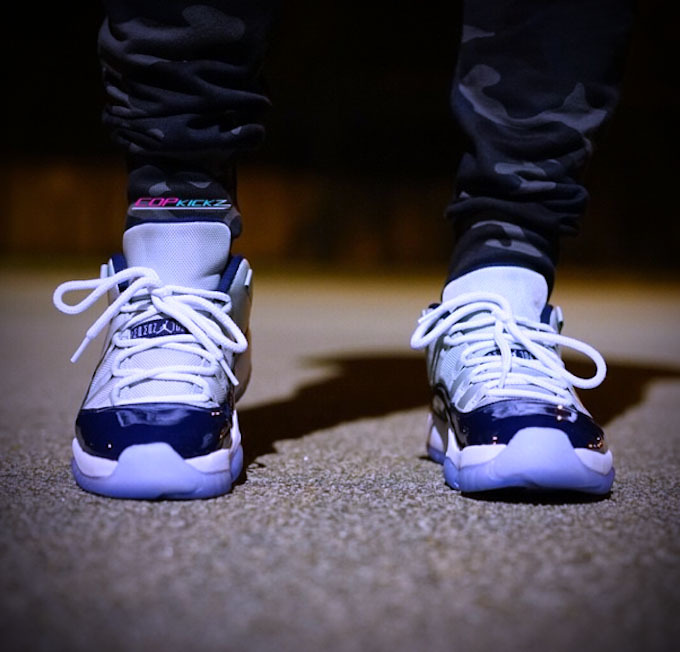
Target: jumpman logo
column 156, row 328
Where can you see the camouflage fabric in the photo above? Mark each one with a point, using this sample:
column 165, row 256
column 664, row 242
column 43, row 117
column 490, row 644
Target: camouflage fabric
column 535, row 82
column 184, row 99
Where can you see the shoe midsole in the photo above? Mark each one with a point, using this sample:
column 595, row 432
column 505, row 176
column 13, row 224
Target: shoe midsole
column 216, row 462
column 441, row 438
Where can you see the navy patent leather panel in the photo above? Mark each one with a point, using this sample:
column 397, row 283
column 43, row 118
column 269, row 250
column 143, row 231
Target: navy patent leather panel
column 190, row 430
column 498, row 422
column 229, row 273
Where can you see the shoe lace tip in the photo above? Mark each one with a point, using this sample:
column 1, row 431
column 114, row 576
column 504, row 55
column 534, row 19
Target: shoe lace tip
column 80, row 349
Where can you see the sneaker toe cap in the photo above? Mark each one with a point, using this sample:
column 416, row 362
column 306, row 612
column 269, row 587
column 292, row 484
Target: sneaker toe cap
column 190, row 430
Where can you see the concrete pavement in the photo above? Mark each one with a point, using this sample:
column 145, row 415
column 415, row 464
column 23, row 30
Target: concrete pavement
column 343, row 536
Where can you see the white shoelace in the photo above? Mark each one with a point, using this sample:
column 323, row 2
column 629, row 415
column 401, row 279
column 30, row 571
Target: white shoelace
column 211, row 332
column 484, row 322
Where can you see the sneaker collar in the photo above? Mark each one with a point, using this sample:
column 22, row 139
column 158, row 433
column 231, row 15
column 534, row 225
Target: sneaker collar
column 524, row 289
column 188, row 254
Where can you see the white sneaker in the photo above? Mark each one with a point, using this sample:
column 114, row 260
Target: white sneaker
column 504, row 410
column 158, row 420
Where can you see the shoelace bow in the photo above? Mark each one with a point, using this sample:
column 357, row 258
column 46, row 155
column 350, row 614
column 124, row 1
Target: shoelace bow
column 210, row 330
column 485, row 322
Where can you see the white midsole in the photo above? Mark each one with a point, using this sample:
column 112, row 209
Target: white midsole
column 215, row 462
column 467, row 456
column 599, row 462
column 471, row 455
column 90, row 465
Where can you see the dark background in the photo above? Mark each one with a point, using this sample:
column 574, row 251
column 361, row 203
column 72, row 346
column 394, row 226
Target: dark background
column 360, row 92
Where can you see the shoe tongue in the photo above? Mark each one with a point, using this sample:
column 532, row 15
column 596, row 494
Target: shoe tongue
column 524, row 289
column 527, row 293
column 190, row 254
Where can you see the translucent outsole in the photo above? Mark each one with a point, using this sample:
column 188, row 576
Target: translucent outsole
column 156, row 471
column 544, row 461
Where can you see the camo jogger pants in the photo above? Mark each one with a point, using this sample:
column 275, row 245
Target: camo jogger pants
column 535, row 81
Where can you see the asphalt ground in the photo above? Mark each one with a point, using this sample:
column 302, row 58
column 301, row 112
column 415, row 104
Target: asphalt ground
column 342, row 535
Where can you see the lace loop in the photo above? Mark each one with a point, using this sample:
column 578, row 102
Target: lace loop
column 493, row 339
column 144, row 278
column 208, row 330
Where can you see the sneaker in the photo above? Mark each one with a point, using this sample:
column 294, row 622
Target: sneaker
column 504, row 410
column 158, row 420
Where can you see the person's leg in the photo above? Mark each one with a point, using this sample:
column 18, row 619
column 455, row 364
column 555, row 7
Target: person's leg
column 184, row 96
column 535, row 82
column 183, row 102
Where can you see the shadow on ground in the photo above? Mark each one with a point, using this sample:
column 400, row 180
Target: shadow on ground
column 370, row 386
